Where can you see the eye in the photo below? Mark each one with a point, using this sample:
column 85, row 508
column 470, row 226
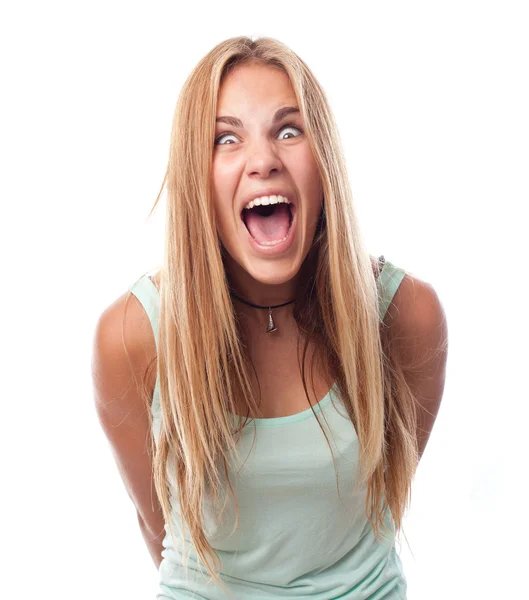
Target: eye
column 291, row 126
column 287, row 126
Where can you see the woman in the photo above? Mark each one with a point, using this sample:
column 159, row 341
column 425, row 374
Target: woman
column 286, row 383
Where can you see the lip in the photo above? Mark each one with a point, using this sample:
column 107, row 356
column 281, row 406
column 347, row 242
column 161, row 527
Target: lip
column 278, row 248
column 270, row 191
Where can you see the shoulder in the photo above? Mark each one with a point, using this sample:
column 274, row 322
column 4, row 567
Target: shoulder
column 416, row 308
column 124, row 324
column 419, row 335
column 123, row 348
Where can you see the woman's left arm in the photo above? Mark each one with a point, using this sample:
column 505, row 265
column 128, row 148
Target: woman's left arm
column 421, row 340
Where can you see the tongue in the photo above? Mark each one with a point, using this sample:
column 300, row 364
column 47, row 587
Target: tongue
column 268, row 229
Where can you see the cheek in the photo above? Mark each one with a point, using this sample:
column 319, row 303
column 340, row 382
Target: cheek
column 216, row 186
column 224, row 179
column 220, row 196
column 221, row 216
column 309, row 181
column 305, row 168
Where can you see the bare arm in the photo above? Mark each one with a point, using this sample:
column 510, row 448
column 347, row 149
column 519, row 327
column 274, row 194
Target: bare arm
column 122, row 411
column 153, row 542
column 421, row 336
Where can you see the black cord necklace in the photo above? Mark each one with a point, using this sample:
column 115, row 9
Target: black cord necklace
column 271, row 325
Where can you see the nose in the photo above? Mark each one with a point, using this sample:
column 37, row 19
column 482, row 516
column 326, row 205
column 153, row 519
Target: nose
column 263, row 159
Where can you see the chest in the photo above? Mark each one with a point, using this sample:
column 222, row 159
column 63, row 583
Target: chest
column 277, row 383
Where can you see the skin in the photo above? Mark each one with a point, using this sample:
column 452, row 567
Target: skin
column 258, row 155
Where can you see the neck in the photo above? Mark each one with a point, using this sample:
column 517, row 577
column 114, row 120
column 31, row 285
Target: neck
column 259, row 314
column 268, row 305
column 249, row 289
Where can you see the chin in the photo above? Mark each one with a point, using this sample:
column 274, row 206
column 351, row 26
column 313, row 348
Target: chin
column 273, row 273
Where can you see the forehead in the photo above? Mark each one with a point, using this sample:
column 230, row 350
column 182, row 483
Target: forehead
column 254, row 86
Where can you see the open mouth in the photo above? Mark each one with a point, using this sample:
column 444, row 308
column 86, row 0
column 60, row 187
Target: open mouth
column 269, row 224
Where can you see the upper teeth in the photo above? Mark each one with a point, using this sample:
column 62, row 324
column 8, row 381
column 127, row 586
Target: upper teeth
column 263, row 200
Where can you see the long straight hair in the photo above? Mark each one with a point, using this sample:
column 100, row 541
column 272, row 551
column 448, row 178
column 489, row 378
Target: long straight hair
column 202, row 366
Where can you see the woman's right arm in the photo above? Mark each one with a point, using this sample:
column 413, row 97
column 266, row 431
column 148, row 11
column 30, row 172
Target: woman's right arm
column 122, row 411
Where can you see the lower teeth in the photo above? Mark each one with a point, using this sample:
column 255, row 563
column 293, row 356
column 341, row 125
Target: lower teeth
column 274, row 242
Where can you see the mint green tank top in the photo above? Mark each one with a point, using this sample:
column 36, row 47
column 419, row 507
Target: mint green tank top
column 298, row 535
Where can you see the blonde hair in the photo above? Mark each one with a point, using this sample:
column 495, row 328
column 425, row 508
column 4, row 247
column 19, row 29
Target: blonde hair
column 202, row 364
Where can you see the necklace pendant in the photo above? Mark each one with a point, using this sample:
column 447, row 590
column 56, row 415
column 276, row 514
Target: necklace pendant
column 271, row 324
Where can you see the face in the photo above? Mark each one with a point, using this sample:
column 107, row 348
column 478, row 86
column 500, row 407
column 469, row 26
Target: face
column 251, row 159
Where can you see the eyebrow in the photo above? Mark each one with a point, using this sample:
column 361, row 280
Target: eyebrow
column 280, row 114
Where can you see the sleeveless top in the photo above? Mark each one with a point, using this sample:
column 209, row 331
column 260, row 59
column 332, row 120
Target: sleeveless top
column 303, row 531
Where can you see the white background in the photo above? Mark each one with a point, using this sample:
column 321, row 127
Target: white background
column 431, row 101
